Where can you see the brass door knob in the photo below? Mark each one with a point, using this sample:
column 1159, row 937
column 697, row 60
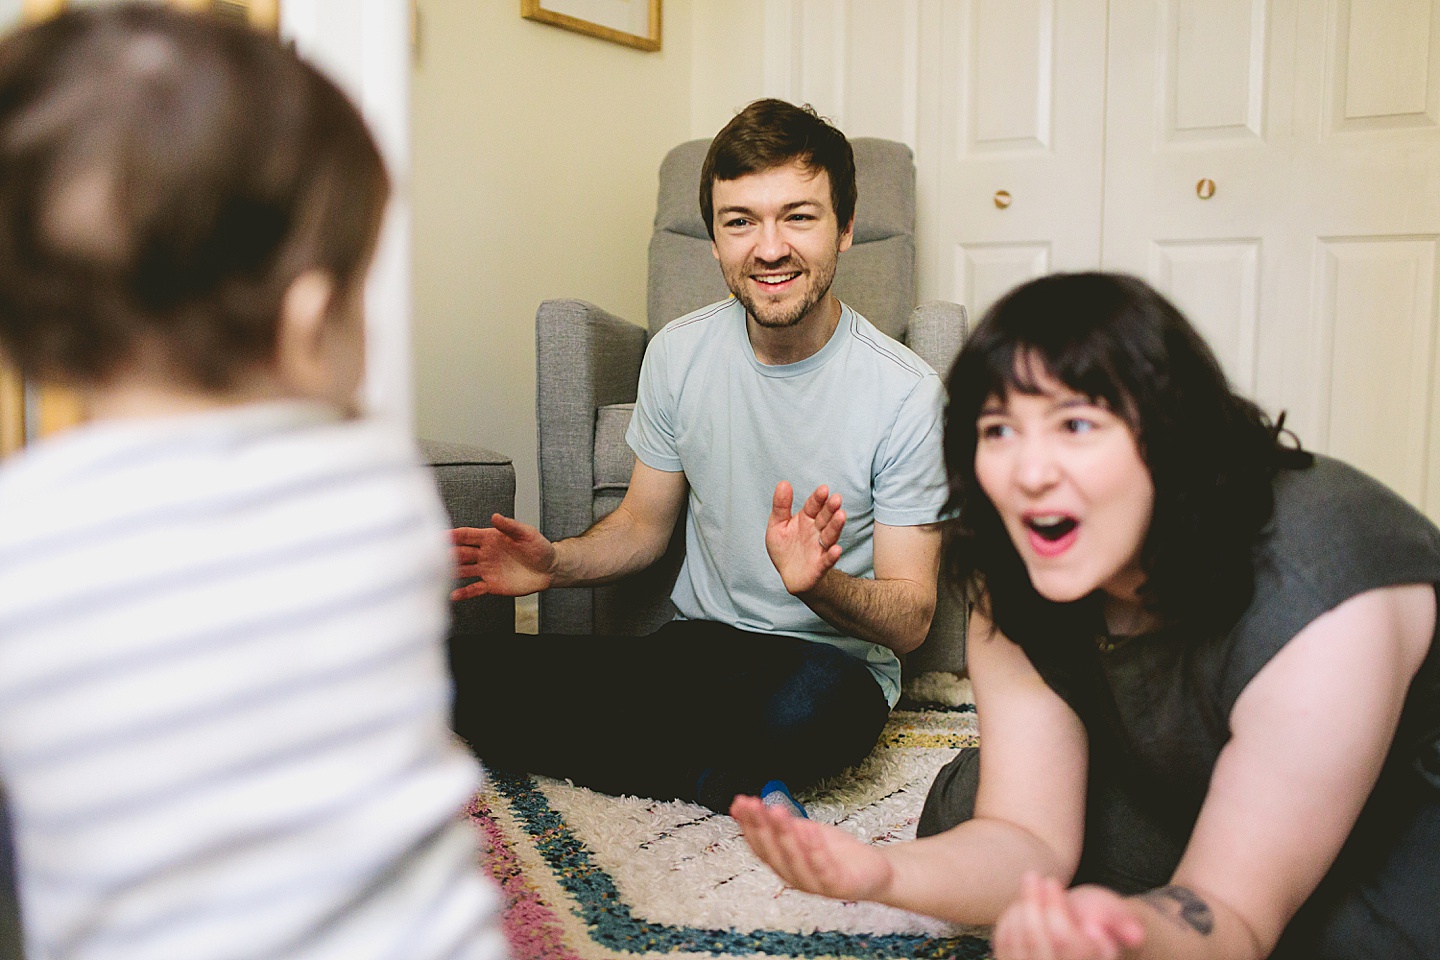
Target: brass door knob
column 1002, row 198
column 1205, row 189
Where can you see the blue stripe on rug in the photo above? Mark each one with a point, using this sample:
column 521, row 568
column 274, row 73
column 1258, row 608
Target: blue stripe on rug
column 612, row 925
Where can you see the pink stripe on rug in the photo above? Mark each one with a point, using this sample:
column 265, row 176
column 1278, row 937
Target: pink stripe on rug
column 530, row 924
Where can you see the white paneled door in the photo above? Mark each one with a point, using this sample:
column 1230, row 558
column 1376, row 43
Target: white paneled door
column 1272, row 165
column 1280, row 179
column 1018, row 157
column 1003, row 103
column 1198, row 137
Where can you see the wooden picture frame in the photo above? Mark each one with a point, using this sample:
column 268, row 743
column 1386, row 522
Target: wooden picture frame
column 623, row 27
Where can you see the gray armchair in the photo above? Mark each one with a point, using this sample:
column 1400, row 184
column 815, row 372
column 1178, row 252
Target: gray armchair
column 588, row 369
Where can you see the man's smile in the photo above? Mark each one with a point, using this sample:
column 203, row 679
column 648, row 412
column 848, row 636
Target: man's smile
column 775, row 279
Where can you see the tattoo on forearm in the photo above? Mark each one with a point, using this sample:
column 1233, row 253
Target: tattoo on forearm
column 1183, row 906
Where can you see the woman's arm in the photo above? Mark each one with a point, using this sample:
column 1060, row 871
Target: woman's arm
column 1029, row 813
column 1284, row 796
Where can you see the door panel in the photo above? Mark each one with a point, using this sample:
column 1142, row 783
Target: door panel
column 984, row 272
column 1375, row 382
column 1213, row 69
column 1385, row 70
column 1217, row 285
column 1009, row 49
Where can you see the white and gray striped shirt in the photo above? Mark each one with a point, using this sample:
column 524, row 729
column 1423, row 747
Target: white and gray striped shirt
column 223, row 695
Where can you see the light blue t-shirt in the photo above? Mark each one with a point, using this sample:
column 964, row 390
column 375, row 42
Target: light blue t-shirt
column 862, row 416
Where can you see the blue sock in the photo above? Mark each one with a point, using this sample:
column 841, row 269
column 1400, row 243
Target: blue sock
column 776, row 794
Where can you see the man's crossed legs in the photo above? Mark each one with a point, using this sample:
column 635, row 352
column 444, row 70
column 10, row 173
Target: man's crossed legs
column 699, row 711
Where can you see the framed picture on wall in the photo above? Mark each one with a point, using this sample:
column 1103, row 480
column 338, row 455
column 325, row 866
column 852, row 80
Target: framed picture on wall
column 635, row 23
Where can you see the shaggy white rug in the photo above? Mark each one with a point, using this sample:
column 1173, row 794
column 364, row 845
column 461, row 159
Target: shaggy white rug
column 589, row 875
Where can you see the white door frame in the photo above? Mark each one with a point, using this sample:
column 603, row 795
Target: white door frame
column 364, row 45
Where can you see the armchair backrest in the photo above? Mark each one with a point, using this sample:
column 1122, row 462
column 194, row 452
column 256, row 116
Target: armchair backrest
column 876, row 276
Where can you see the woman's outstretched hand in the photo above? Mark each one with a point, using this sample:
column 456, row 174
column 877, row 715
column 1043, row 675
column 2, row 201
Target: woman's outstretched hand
column 813, row 857
column 1048, row 922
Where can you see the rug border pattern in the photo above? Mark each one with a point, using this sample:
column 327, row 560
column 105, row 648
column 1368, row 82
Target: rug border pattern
column 539, row 933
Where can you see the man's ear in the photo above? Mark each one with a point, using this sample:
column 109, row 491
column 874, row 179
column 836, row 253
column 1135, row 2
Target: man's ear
column 847, row 236
column 714, row 250
column 299, row 346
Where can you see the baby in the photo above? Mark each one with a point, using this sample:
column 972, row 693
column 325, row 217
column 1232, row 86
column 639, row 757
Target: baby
column 223, row 692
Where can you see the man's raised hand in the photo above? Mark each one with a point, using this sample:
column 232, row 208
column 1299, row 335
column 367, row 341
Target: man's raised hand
column 511, row 559
column 805, row 545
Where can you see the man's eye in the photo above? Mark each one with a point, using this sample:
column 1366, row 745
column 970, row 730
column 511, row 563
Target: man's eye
column 802, row 216
column 736, row 223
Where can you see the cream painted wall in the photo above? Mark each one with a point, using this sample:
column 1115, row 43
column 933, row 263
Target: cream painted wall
column 727, row 63
column 535, row 152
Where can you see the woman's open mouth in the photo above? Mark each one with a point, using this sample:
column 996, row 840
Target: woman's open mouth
column 1051, row 534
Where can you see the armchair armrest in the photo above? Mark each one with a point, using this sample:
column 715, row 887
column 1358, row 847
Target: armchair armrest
column 474, row 484
column 936, row 330
column 585, row 359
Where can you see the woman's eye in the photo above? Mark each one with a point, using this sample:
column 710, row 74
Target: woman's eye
column 993, row 431
column 1079, row 425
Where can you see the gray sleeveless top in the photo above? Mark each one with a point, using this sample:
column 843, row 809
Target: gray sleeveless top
column 1156, row 706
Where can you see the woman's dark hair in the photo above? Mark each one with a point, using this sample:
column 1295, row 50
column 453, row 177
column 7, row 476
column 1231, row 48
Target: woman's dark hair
column 164, row 178
column 1211, row 454
column 772, row 133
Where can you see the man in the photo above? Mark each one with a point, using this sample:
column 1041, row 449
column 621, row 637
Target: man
column 781, row 667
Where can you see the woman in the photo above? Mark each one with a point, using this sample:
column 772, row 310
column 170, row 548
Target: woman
column 1204, row 660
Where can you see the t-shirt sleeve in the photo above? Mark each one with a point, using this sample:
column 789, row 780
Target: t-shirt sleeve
column 651, row 433
column 909, row 475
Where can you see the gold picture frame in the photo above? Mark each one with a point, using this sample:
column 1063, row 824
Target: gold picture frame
column 620, row 28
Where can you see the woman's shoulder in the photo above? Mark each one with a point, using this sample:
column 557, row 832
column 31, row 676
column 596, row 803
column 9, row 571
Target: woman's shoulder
column 1331, row 519
column 1336, row 533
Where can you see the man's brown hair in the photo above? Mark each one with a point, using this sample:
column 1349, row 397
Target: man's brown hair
column 164, row 178
column 773, row 133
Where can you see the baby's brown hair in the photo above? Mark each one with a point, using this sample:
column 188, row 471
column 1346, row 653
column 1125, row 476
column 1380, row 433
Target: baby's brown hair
column 164, row 178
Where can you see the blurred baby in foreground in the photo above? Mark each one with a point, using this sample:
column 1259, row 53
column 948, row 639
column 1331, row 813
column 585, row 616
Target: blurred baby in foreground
column 223, row 692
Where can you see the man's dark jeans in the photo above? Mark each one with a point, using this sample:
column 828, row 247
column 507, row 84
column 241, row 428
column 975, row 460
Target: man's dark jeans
column 698, row 711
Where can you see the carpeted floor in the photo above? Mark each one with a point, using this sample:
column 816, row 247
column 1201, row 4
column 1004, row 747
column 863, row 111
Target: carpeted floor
column 589, row 876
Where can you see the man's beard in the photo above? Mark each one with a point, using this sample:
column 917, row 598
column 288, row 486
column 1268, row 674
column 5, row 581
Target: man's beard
column 785, row 317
